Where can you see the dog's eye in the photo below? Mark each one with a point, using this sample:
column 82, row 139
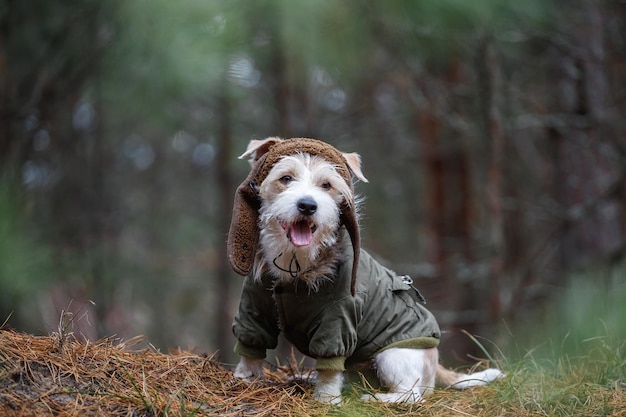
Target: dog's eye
column 326, row 185
column 286, row 179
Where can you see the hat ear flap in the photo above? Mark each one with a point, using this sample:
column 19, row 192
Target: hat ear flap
column 243, row 235
column 350, row 222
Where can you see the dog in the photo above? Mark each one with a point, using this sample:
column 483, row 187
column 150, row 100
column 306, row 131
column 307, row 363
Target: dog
column 295, row 236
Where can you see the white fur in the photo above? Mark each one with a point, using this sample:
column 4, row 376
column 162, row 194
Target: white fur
column 328, row 387
column 477, row 379
column 309, row 174
column 249, row 368
column 409, row 374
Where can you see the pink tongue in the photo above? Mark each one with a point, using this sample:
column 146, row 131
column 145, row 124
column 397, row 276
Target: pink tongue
column 301, row 233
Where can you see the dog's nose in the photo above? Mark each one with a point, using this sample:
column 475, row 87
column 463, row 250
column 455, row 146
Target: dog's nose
column 307, row 206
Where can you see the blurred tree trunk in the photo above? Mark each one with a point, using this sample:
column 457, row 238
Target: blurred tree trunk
column 446, row 170
column 586, row 162
column 100, row 219
column 429, row 128
column 492, row 91
column 6, row 124
column 278, row 69
column 225, row 188
column 449, row 199
column 10, row 82
column 616, row 73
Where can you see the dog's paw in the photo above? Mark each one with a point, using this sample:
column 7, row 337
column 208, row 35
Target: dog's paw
column 327, row 398
column 477, row 379
column 328, row 387
column 249, row 368
column 492, row 374
column 394, row 397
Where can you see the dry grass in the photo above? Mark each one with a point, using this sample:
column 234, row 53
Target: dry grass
column 39, row 376
column 58, row 375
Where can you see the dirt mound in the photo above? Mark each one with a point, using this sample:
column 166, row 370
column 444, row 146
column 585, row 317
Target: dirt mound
column 48, row 375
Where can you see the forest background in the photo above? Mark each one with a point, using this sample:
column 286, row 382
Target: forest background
column 493, row 135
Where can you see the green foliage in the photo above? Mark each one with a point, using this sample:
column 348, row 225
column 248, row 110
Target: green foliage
column 25, row 261
column 585, row 316
column 573, row 354
column 164, row 52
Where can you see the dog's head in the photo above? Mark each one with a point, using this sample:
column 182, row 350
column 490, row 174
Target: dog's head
column 298, row 194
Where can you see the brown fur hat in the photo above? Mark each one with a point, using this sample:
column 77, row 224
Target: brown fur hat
column 243, row 236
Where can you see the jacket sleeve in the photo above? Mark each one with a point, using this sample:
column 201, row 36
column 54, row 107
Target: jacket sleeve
column 335, row 336
column 256, row 323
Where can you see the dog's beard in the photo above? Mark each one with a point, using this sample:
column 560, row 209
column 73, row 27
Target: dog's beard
column 298, row 250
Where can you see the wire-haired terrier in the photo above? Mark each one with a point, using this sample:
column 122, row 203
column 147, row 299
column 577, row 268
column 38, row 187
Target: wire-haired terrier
column 295, row 236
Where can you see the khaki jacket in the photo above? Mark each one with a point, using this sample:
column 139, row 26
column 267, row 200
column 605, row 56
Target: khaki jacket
column 330, row 325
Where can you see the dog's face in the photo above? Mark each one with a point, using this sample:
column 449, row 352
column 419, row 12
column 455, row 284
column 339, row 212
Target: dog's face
column 300, row 205
column 300, row 215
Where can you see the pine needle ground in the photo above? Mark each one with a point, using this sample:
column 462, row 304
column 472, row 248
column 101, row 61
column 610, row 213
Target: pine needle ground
column 49, row 375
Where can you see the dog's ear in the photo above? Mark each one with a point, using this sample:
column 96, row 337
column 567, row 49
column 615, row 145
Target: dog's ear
column 354, row 163
column 258, row 148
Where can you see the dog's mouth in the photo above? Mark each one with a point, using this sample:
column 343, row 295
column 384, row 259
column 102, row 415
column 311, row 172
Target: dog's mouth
column 299, row 233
